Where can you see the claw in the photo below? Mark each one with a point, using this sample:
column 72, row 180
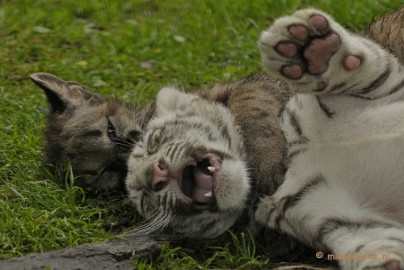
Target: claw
column 209, row 194
column 211, row 169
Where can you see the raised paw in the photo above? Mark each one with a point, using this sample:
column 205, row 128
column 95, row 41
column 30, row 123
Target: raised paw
column 316, row 49
column 304, row 47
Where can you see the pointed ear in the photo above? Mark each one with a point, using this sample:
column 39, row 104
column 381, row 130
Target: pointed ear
column 172, row 100
column 62, row 94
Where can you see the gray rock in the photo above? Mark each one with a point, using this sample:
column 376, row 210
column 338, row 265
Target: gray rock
column 112, row 254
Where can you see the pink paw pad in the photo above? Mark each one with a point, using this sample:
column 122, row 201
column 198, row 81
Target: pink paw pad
column 287, row 49
column 294, row 71
column 351, row 62
column 319, row 51
column 319, row 22
column 298, row 31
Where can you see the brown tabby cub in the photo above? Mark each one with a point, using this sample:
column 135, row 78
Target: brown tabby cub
column 92, row 133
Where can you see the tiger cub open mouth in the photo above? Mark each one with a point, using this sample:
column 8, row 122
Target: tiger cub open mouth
column 196, row 179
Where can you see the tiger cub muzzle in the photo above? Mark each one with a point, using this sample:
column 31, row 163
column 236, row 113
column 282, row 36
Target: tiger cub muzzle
column 196, row 179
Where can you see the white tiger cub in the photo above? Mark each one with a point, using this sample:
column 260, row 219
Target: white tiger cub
column 344, row 188
column 189, row 171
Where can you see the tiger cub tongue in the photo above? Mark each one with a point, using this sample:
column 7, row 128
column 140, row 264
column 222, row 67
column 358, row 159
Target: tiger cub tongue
column 203, row 186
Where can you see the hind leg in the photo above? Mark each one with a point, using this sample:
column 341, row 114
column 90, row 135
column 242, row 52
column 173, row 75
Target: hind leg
column 331, row 220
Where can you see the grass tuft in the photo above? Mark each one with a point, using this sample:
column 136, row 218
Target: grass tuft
column 229, row 251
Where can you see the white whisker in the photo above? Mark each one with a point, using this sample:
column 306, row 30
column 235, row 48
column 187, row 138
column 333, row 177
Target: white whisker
column 156, row 222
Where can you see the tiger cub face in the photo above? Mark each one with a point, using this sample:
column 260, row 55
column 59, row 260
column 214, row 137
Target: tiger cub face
column 91, row 133
column 188, row 172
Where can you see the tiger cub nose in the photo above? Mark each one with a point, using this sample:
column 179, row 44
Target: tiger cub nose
column 160, row 175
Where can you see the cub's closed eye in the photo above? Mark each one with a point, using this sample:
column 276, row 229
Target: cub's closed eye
column 134, row 136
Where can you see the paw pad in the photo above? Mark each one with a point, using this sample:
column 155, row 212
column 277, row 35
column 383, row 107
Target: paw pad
column 287, row 49
column 319, row 51
column 294, row 71
column 299, row 32
column 319, row 22
column 351, row 62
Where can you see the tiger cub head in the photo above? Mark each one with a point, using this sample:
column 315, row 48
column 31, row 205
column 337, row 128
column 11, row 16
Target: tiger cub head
column 188, row 171
column 91, row 133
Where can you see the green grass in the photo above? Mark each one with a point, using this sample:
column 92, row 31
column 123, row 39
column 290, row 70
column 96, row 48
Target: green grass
column 106, row 45
column 229, row 251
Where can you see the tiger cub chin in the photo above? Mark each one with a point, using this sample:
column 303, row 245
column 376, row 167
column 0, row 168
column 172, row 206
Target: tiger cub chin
column 92, row 133
column 202, row 158
column 344, row 188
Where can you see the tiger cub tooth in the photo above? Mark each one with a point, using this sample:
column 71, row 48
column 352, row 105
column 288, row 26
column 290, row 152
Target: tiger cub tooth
column 209, row 194
column 211, row 169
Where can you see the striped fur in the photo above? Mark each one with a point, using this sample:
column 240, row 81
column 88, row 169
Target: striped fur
column 344, row 188
column 186, row 130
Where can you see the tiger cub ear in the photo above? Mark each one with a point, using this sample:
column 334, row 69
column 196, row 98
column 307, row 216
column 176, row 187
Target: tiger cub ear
column 172, row 100
column 63, row 94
